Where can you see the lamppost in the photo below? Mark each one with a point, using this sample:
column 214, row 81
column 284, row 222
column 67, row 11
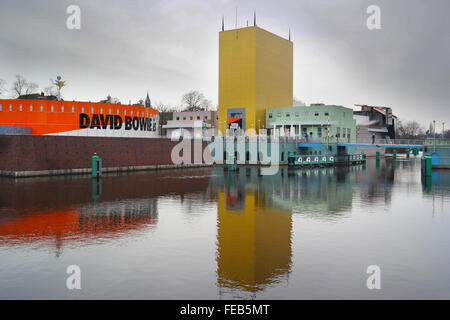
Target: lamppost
column 443, row 123
column 434, row 129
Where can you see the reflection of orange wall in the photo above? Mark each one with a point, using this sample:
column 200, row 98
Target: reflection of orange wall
column 47, row 122
column 46, row 224
column 254, row 243
column 70, row 225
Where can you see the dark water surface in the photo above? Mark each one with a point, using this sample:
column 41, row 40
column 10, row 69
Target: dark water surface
column 202, row 234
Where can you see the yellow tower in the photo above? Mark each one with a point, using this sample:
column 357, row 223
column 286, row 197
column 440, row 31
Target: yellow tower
column 255, row 73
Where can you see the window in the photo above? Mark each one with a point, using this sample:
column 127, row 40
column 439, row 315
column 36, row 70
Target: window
column 184, row 118
column 42, row 108
column 101, row 110
column 178, row 118
column 191, row 117
column 31, row 108
column 288, row 114
column 109, row 110
column 278, row 115
column 20, row 108
column 125, row 112
column 206, row 117
column 62, row 108
column 198, row 117
column 1, row 107
column 52, row 109
column 270, row 116
column 131, row 112
column 92, row 110
column 316, row 114
column 10, row 107
column 82, row 109
column 326, row 114
column 297, row 114
column 73, row 109
column 118, row 111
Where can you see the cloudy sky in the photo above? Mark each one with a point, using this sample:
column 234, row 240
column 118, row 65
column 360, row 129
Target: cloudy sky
column 169, row 47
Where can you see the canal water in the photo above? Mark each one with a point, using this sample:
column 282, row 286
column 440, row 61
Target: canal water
column 208, row 234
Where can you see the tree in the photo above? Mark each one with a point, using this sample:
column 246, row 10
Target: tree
column 23, row 86
column 195, row 101
column 2, row 86
column 447, row 134
column 410, row 129
column 161, row 107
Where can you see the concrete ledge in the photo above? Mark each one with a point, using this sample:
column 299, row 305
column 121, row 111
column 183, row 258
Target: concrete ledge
column 24, row 174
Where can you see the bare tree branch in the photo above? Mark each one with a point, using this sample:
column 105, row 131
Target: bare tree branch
column 23, row 86
column 161, row 107
column 2, row 86
column 409, row 130
column 195, row 101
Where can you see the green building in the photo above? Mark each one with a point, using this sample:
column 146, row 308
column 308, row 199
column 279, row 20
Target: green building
column 311, row 123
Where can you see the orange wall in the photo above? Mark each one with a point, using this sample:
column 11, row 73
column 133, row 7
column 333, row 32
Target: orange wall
column 47, row 122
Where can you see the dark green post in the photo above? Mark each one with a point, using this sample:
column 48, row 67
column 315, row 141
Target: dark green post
column 96, row 164
column 428, row 165
column 377, row 156
column 363, row 155
column 394, row 154
column 407, row 154
column 291, row 159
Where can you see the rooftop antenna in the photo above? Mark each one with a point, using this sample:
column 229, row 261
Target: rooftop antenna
column 254, row 18
column 289, row 33
column 223, row 24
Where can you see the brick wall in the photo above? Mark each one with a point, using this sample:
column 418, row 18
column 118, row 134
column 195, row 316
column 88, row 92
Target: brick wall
column 38, row 153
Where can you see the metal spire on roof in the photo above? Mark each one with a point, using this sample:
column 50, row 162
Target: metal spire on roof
column 223, row 24
column 289, row 33
column 254, row 18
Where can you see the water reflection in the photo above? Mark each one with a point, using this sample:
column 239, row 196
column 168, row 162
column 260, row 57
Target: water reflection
column 253, row 236
column 254, row 216
column 53, row 212
column 240, row 235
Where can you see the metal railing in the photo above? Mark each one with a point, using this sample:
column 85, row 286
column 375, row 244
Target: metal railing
column 411, row 142
column 342, row 140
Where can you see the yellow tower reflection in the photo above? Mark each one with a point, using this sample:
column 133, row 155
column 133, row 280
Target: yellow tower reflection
column 254, row 241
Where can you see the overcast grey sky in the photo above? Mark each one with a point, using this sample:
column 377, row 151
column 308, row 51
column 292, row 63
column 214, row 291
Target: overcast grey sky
column 170, row 47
